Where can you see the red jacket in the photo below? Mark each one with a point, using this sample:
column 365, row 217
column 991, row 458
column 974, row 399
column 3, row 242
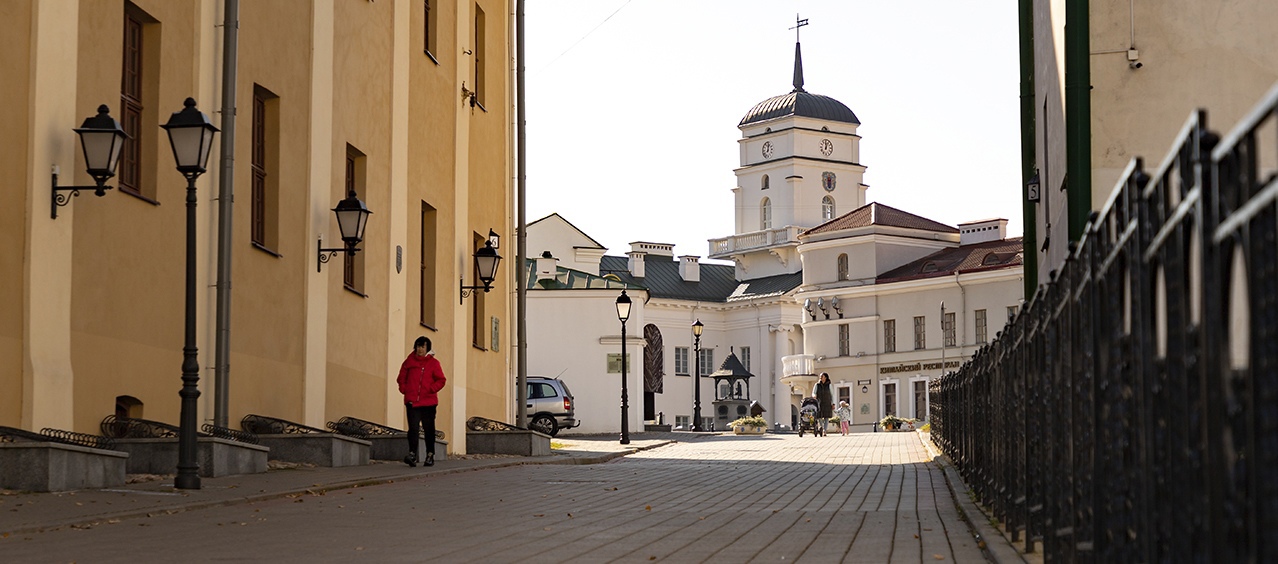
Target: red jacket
column 420, row 378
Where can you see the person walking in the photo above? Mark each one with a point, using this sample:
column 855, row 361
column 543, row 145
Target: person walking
column 845, row 416
column 420, row 380
column 825, row 402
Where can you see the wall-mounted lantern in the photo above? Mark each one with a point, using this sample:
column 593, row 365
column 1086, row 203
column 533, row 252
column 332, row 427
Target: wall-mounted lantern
column 486, row 260
column 352, row 218
column 102, row 140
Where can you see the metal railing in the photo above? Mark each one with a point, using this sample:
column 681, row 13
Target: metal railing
column 50, row 435
column 361, row 429
column 264, row 425
column 1131, row 412
column 133, row 428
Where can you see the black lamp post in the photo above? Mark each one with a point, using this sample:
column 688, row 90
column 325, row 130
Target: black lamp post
column 352, row 218
column 191, row 137
column 486, row 261
column 623, row 313
column 102, row 140
column 696, row 381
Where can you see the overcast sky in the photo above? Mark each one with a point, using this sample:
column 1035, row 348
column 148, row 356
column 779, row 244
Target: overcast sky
column 633, row 107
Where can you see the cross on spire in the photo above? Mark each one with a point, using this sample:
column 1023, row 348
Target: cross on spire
column 798, row 23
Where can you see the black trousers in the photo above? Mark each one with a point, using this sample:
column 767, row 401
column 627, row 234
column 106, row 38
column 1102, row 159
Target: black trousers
column 418, row 418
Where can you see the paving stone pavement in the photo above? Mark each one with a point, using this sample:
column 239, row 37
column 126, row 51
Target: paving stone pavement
column 871, row 497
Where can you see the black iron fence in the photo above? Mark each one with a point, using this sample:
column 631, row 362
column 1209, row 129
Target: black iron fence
column 1130, row 413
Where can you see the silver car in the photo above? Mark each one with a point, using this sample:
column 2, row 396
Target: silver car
column 550, row 405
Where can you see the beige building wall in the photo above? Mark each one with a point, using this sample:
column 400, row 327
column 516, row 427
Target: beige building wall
column 92, row 305
column 1190, row 54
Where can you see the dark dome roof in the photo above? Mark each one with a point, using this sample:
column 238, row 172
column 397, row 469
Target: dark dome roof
column 800, row 103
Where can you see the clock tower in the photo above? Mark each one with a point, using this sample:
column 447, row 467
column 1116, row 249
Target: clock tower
column 800, row 167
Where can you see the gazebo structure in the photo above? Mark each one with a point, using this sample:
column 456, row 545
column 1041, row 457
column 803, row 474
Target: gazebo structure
column 731, row 391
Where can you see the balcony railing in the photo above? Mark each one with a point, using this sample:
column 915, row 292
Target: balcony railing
column 728, row 246
column 798, row 365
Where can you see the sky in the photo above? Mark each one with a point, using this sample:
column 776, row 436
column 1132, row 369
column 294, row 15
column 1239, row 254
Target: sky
column 632, row 107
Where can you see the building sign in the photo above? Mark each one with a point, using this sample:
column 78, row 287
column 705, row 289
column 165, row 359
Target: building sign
column 614, row 363
column 918, row 366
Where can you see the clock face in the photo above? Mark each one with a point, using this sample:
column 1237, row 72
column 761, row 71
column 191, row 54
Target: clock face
column 767, row 149
column 827, row 181
column 827, row 148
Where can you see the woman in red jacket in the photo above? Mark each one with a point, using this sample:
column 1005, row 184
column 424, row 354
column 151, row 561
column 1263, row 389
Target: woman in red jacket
column 420, row 379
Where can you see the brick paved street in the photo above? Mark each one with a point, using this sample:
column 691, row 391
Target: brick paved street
column 722, row 498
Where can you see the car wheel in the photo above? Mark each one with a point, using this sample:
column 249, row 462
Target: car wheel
column 544, row 424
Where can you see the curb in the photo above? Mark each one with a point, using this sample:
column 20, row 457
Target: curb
column 995, row 551
column 335, row 486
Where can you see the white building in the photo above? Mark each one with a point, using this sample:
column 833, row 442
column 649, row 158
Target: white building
column 858, row 274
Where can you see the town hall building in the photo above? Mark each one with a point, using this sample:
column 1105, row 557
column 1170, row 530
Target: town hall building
column 814, row 279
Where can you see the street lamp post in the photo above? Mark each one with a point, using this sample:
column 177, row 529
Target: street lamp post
column 191, row 137
column 696, row 381
column 623, row 313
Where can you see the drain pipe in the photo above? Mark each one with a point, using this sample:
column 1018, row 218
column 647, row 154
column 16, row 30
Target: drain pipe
column 1078, row 117
column 225, row 197
column 1028, row 154
column 521, row 300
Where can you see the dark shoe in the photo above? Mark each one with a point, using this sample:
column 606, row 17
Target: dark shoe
column 430, row 459
column 411, row 460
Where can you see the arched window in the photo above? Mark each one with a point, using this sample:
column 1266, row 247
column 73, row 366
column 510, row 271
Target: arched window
column 843, row 266
column 827, row 208
column 764, row 185
column 765, row 214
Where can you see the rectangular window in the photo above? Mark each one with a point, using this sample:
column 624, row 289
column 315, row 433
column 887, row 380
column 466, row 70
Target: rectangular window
column 706, row 361
column 981, row 336
column 745, row 358
column 264, row 204
column 920, row 333
column 683, row 421
column 889, row 399
column 131, row 101
column 845, row 347
column 429, row 31
column 889, row 335
column 1011, row 312
column 426, row 290
column 353, row 265
column 477, row 302
column 480, row 39
column 681, row 360
column 845, row 394
column 947, row 330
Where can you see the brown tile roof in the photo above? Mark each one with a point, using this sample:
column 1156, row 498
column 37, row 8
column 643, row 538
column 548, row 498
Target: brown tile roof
column 875, row 213
column 990, row 255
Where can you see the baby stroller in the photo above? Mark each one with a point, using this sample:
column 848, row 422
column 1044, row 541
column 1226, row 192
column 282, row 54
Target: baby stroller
column 808, row 418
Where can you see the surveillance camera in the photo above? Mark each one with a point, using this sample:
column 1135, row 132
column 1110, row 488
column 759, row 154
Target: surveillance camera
column 1135, row 64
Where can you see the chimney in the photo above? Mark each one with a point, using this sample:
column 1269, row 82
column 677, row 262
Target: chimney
column 636, row 263
column 982, row 231
column 689, row 268
column 547, row 266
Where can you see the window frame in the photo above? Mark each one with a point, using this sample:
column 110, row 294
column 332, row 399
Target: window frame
column 845, row 339
column 765, row 214
column 889, row 335
column 920, row 332
column 982, row 326
column 827, row 208
column 681, row 356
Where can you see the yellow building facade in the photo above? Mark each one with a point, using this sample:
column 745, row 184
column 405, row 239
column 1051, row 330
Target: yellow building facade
column 407, row 103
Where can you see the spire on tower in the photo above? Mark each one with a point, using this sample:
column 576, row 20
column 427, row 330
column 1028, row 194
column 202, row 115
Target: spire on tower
column 798, row 55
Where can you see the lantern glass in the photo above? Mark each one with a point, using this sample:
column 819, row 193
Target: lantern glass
column 102, row 140
column 623, row 307
column 191, row 138
column 697, row 328
column 352, row 218
column 486, row 260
